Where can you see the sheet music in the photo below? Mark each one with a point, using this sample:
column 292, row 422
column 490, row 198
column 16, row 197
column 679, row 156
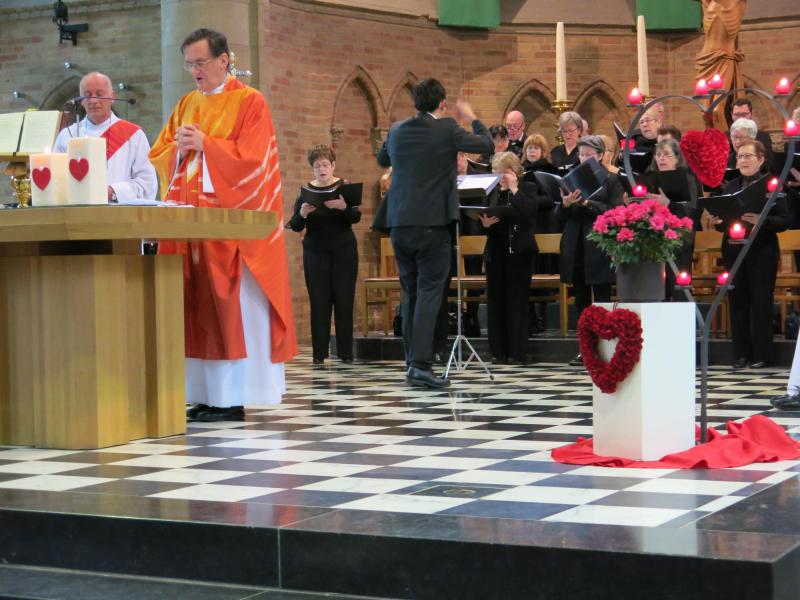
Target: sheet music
column 39, row 131
column 10, row 129
column 478, row 182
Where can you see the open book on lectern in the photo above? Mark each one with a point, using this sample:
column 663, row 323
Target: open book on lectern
column 476, row 193
column 29, row 132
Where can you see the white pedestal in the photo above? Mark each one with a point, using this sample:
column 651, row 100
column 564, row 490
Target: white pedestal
column 652, row 413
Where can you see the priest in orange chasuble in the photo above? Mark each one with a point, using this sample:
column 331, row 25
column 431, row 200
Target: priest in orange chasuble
column 218, row 150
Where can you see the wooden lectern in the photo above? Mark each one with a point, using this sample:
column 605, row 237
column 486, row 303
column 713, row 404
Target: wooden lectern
column 91, row 342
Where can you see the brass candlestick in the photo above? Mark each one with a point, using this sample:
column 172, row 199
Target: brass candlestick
column 559, row 107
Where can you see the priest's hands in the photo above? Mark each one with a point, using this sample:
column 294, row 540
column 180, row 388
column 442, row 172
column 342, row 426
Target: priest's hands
column 188, row 138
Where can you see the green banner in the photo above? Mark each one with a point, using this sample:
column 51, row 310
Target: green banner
column 670, row 15
column 483, row 14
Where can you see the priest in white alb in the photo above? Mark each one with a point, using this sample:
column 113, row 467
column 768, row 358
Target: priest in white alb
column 130, row 174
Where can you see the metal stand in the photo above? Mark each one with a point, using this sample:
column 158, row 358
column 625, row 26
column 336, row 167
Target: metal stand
column 456, row 356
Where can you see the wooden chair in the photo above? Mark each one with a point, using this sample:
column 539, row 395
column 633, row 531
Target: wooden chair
column 550, row 243
column 383, row 290
column 707, row 251
column 787, row 285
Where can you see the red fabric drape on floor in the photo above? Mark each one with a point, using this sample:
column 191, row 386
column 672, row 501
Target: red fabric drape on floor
column 757, row 439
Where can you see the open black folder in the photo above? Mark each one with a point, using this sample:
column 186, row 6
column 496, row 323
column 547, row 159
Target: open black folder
column 674, row 184
column 731, row 207
column 588, row 177
column 476, row 193
column 351, row 192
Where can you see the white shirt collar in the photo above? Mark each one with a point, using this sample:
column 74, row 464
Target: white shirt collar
column 433, row 115
column 217, row 90
column 87, row 125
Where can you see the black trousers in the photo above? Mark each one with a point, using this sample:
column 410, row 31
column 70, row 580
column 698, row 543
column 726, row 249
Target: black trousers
column 752, row 298
column 508, row 285
column 423, row 257
column 331, row 269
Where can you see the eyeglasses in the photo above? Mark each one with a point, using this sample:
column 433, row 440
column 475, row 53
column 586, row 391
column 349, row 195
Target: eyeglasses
column 745, row 156
column 196, row 64
column 665, row 155
column 647, row 120
column 570, row 131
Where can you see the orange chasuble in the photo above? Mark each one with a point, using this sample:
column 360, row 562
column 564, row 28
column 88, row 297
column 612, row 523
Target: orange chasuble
column 242, row 161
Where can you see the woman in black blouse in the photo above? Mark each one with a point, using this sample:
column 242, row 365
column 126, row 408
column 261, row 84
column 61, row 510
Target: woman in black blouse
column 330, row 258
column 510, row 254
column 570, row 125
column 753, row 291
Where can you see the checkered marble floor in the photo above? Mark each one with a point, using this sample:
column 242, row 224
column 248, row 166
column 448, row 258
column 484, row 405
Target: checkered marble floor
column 356, row 437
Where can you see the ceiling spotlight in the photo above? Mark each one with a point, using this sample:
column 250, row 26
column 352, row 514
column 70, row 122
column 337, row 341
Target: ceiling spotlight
column 67, row 65
column 122, row 86
column 16, row 94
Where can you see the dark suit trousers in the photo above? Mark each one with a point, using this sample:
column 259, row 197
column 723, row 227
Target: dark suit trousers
column 331, row 268
column 752, row 298
column 423, row 260
column 508, row 285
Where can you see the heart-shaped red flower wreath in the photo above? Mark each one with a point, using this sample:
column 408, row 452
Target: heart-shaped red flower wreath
column 706, row 154
column 597, row 323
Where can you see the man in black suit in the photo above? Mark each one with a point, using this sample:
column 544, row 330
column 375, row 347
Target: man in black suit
column 742, row 108
column 420, row 206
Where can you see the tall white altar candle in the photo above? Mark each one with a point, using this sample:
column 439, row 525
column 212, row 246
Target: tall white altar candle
column 561, row 63
column 48, row 179
column 86, row 165
column 641, row 47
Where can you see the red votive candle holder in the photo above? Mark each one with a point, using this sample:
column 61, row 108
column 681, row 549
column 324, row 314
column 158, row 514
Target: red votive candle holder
column 635, row 96
column 737, row 231
column 640, row 191
column 701, row 87
column 716, row 82
column 772, row 184
column 683, row 278
column 791, row 129
column 783, row 87
column 722, row 278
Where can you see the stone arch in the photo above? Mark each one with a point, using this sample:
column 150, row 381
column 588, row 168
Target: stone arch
column 361, row 79
column 601, row 105
column 401, row 102
column 60, row 93
column 533, row 99
column 795, row 96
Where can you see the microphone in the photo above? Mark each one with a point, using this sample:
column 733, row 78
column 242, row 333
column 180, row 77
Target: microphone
column 77, row 99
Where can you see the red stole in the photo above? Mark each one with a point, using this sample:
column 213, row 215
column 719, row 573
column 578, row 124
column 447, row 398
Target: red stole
column 117, row 134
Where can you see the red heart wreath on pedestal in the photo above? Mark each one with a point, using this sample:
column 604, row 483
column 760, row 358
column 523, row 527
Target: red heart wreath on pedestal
column 597, row 323
column 706, row 154
column 79, row 167
column 41, row 177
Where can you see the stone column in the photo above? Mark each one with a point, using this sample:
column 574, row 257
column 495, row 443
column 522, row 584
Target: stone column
column 237, row 19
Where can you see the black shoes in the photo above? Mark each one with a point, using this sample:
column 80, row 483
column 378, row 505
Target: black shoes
column 787, row 402
column 213, row 414
column 191, row 413
column 319, row 362
column 740, row 363
column 346, row 359
column 577, row 361
column 759, row 364
column 419, row 378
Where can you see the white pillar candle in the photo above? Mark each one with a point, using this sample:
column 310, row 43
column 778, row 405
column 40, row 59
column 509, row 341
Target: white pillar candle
column 86, row 165
column 561, row 63
column 48, row 179
column 641, row 47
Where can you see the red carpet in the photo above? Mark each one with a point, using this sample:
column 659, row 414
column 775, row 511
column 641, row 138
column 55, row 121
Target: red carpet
column 757, row 439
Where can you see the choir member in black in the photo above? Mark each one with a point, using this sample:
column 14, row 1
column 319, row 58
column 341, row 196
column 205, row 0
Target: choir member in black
column 500, row 138
column 330, row 258
column 581, row 262
column 742, row 108
column 611, row 155
column 570, row 125
column 752, row 294
column 668, row 157
column 535, row 151
column 666, row 132
column 515, row 124
column 649, row 125
column 742, row 131
column 509, row 255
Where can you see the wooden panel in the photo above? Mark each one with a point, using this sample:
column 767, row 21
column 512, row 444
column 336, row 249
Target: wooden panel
column 133, row 222
column 136, row 307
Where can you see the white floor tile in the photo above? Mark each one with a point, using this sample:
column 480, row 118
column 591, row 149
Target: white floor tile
column 289, row 455
column 190, row 475
column 42, row 467
column 321, row 469
column 166, row 462
column 427, row 505
column 53, row 483
column 617, row 515
column 361, row 485
column 406, row 450
column 447, row 462
column 217, row 493
column 550, row 495
column 515, row 478
column 696, row 487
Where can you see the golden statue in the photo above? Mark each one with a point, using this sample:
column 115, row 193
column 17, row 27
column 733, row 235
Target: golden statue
column 722, row 20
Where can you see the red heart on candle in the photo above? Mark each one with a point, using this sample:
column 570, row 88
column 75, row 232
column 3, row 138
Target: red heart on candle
column 41, row 177
column 79, row 167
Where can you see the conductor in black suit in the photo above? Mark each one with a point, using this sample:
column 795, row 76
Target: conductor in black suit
column 419, row 209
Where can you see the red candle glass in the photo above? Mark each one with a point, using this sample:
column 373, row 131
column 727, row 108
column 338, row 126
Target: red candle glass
column 791, row 129
column 701, row 87
column 640, row 191
column 683, row 278
column 737, row 231
column 772, row 184
column 635, row 96
column 783, row 87
column 716, row 82
column 722, row 278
